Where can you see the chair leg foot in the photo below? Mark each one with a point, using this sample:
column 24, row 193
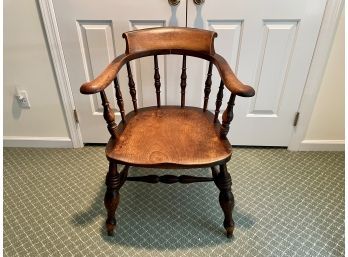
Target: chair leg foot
column 112, row 197
column 110, row 227
column 229, row 232
column 222, row 180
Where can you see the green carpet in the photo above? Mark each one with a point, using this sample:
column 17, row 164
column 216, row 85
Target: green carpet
column 287, row 204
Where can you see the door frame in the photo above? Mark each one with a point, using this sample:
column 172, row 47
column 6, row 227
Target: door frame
column 61, row 72
column 326, row 35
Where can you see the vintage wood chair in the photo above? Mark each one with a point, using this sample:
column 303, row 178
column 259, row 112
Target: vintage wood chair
column 169, row 136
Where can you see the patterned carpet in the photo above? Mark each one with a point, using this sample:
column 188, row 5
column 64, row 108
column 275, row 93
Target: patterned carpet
column 287, row 204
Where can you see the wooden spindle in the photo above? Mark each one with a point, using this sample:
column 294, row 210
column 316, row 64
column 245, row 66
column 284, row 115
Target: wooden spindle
column 132, row 90
column 119, row 99
column 207, row 88
column 227, row 117
column 157, row 78
column 183, row 81
column 108, row 114
column 219, row 97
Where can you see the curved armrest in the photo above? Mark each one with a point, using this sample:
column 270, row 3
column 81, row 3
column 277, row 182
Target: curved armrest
column 110, row 73
column 230, row 80
column 105, row 78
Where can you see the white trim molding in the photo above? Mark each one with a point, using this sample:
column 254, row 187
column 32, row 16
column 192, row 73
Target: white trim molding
column 322, row 145
column 49, row 142
column 321, row 54
column 56, row 51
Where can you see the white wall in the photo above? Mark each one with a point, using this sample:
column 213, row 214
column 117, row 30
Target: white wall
column 327, row 121
column 27, row 66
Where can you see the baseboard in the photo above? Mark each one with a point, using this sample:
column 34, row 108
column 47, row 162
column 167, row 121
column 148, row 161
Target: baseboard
column 322, row 145
column 44, row 142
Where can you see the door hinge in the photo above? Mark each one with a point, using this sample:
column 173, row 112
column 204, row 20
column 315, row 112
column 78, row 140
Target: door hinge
column 76, row 116
column 297, row 115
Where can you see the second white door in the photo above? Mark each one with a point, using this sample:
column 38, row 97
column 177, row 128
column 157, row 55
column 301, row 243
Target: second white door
column 269, row 44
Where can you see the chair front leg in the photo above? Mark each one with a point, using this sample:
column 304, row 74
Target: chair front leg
column 114, row 182
column 222, row 180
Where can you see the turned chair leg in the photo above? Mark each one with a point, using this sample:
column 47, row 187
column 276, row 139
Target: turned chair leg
column 114, row 182
column 222, row 180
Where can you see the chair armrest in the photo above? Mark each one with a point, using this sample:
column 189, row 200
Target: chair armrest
column 111, row 71
column 105, row 78
column 230, row 80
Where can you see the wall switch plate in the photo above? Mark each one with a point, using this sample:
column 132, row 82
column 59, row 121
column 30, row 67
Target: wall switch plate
column 22, row 99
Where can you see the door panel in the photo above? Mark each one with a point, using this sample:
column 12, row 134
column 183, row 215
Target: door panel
column 276, row 51
column 269, row 44
column 230, row 32
column 97, row 48
column 91, row 36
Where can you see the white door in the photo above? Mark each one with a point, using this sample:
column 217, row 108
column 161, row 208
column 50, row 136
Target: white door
column 91, row 37
column 269, row 44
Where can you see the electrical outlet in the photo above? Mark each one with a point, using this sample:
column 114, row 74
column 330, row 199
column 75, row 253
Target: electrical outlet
column 22, row 99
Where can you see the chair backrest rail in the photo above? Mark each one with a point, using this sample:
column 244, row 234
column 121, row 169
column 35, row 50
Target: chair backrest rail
column 119, row 99
column 132, row 90
column 183, row 80
column 157, row 78
column 108, row 114
column 218, row 103
column 207, row 88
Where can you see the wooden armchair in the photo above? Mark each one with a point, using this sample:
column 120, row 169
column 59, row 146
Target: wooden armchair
column 169, row 136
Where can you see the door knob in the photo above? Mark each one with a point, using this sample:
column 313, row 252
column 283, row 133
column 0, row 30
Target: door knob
column 198, row 2
column 173, row 2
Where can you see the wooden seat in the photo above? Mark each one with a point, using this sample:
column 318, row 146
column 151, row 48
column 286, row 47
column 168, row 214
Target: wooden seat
column 169, row 136
column 185, row 137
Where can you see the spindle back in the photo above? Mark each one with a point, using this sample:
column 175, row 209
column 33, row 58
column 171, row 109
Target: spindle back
column 180, row 41
column 168, row 41
column 157, row 88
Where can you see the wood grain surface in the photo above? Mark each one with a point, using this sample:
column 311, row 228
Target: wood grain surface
column 146, row 40
column 169, row 136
